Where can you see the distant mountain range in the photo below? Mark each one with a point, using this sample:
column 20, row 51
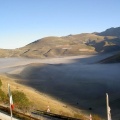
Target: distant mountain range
column 85, row 43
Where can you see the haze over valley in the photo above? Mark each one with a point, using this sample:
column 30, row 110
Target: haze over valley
column 77, row 70
column 59, row 58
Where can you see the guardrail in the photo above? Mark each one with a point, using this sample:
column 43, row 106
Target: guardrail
column 23, row 116
column 39, row 112
column 17, row 114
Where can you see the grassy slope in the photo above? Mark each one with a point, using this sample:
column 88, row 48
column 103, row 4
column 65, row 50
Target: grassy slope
column 78, row 44
column 82, row 86
column 85, row 43
column 40, row 101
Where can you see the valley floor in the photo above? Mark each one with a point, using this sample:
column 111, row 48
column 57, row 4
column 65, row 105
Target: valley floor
column 79, row 81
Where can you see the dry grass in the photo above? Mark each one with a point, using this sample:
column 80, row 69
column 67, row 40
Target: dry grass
column 40, row 101
column 63, row 46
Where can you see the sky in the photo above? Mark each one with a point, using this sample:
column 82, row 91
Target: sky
column 24, row 21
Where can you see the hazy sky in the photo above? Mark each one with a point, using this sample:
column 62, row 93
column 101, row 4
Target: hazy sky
column 24, row 21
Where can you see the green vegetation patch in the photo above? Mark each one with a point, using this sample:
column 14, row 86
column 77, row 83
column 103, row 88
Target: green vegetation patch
column 20, row 100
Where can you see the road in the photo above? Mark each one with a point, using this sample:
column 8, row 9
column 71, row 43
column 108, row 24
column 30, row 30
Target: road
column 6, row 117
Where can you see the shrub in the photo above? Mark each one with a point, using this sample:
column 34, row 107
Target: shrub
column 0, row 83
column 20, row 100
column 3, row 97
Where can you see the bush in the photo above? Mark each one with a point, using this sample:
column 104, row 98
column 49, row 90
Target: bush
column 3, row 97
column 20, row 100
column 0, row 83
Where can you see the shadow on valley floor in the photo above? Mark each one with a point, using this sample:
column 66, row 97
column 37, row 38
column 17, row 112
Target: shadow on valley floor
column 80, row 83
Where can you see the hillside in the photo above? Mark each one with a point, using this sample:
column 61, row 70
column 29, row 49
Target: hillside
column 5, row 53
column 79, row 44
column 111, row 32
column 73, row 80
column 112, row 59
column 40, row 101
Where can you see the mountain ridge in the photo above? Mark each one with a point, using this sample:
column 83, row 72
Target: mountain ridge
column 71, row 45
column 111, row 32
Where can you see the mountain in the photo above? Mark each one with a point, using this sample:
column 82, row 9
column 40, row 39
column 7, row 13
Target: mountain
column 112, row 59
column 111, row 32
column 85, row 43
column 5, row 53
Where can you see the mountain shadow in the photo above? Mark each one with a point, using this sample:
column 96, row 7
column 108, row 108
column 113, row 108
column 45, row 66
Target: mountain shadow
column 82, row 83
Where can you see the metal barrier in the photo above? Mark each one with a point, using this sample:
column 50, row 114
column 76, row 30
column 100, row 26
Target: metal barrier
column 39, row 112
column 17, row 114
column 22, row 116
